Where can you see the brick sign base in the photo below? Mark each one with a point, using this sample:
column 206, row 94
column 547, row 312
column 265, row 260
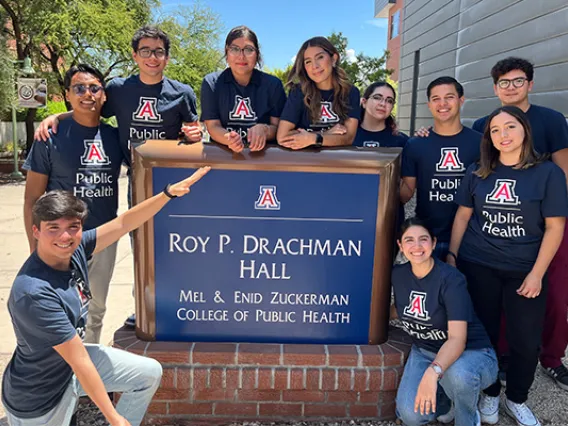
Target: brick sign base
column 219, row 383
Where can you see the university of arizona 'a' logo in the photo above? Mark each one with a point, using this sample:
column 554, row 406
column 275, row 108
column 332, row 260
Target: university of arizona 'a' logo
column 147, row 111
column 94, row 154
column 327, row 114
column 242, row 110
column 503, row 193
column 267, row 200
column 449, row 161
column 417, row 306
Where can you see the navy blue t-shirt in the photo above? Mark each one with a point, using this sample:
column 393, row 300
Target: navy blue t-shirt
column 549, row 129
column 438, row 163
column 295, row 110
column 144, row 112
column 509, row 207
column 425, row 305
column 240, row 107
column 85, row 161
column 48, row 307
column 383, row 138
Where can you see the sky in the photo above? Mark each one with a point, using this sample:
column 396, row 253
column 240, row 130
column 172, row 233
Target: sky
column 282, row 26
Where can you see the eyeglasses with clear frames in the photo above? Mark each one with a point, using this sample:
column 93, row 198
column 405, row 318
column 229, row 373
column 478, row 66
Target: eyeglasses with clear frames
column 146, row 52
column 517, row 82
column 236, row 50
column 381, row 99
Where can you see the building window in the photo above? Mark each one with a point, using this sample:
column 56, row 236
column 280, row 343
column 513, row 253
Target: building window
column 395, row 24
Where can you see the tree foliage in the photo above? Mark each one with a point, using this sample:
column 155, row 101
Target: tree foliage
column 6, row 77
column 281, row 73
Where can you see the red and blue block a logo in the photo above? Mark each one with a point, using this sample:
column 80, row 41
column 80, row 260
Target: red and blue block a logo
column 267, row 200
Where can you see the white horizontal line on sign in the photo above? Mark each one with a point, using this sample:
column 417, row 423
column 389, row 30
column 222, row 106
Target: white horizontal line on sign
column 297, row 219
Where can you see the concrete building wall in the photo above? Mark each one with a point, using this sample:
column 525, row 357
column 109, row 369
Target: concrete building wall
column 465, row 38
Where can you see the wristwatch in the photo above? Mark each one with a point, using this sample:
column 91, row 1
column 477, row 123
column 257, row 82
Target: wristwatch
column 437, row 369
column 319, row 139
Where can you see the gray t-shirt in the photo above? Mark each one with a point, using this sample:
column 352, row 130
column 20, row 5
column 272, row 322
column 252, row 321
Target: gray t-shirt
column 48, row 307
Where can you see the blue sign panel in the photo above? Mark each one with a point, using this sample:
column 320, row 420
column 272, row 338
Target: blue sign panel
column 266, row 256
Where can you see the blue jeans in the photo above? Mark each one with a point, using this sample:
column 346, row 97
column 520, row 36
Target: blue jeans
column 137, row 377
column 461, row 384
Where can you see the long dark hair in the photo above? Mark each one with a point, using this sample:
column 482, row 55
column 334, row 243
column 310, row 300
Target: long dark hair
column 490, row 155
column 390, row 122
column 312, row 95
column 415, row 221
column 244, row 32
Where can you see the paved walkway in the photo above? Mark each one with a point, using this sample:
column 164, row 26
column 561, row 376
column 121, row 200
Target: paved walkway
column 549, row 402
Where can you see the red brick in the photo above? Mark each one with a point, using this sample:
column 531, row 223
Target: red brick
column 328, row 379
column 124, row 342
column 214, row 353
column 232, row 378
column 123, row 333
column 360, row 383
column 388, row 411
column 284, row 410
column 171, row 394
column 281, row 378
column 258, row 395
column 303, row 396
column 392, row 357
column 138, row 348
column 372, row 356
column 214, row 395
column 265, row 378
column 184, row 378
column 312, row 379
column 369, row 397
column 169, row 352
column 216, row 378
column 388, row 396
column 191, row 408
column 249, row 378
column 168, row 378
column 228, row 408
column 342, row 396
column 325, row 410
column 376, row 380
column 362, row 411
column 158, row 408
column 343, row 355
column 259, row 354
column 403, row 347
column 310, row 355
column 344, row 379
column 296, row 378
column 200, row 378
column 389, row 379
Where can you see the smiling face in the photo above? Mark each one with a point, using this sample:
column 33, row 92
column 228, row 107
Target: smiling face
column 507, row 134
column 152, row 67
column 58, row 239
column 242, row 56
column 319, row 66
column 417, row 245
column 513, row 95
column 86, row 94
column 445, row 103
column 380, row 103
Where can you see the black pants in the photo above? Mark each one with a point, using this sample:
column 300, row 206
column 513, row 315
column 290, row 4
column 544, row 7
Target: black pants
column 493, row 291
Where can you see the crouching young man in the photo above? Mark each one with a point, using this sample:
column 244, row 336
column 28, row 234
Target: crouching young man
column 51, row 367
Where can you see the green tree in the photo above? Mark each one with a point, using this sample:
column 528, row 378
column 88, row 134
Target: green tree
column 281, row 73
column 364, row 69
column 6, row 77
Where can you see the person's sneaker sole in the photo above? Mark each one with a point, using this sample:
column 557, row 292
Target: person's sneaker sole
column 559, row 384
column 512, row 415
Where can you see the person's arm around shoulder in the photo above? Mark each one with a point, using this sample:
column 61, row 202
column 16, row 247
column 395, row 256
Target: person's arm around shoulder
column 51, row 122
column 75, row 354
column 111, row 231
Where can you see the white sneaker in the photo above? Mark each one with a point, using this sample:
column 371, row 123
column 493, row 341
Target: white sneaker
column 489, row 409
column 521, row 413
column 448, row 417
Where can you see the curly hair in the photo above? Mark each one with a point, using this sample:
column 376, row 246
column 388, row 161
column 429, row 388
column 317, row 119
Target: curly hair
column 511, row 64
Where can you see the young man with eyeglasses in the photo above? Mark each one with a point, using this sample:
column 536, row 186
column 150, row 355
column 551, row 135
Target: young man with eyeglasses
column 147, row 105
column 83, row 157
column 513, row 81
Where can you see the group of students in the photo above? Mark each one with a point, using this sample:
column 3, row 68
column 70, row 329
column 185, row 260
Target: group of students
column 74, row 165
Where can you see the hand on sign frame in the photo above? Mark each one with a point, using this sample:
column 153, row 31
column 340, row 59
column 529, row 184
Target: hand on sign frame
column 256, row 136
column 338, row 129
column 531, row 286
column 299, row 140
column 182, row 187
column 235, row 143
column 192, row 132
column 425, row 402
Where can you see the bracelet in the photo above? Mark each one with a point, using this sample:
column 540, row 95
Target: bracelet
column 451, row 253
column 167, row 192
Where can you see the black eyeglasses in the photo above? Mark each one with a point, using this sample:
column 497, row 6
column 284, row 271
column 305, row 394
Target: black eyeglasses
column 380, row 98
column 81, row 89
column 146, row 52
column 236, row 50
column 517, row 82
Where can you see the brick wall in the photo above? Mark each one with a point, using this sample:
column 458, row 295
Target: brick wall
column 216, row 383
